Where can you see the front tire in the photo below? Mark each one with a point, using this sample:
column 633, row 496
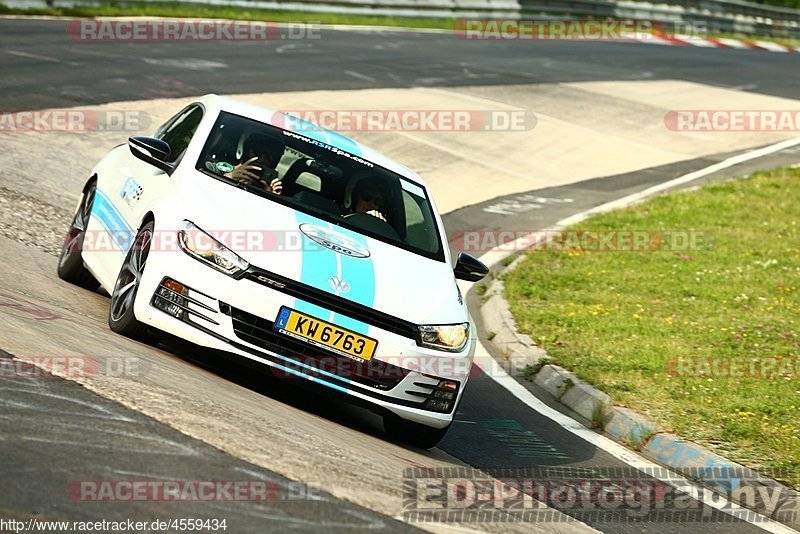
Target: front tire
column 70, row 262
column 411, row 433
column 121, row 318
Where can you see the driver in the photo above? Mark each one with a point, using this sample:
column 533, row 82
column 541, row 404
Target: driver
column 260, row 157
column 369, row 196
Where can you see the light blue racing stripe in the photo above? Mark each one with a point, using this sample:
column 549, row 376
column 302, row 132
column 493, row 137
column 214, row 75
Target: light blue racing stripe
column 320, row 264
column 314, row 369
column 316, row 379
column 110, row 218
column 360, row 274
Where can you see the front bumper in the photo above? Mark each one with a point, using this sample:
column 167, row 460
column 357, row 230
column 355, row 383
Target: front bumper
column 412, row 382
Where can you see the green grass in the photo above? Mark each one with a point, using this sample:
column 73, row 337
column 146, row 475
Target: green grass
column 618, row 318
column 169, row 9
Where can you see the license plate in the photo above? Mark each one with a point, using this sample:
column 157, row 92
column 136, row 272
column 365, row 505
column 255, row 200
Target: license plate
column 323, row 334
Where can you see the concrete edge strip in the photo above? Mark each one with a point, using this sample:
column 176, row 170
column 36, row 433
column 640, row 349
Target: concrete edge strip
column 624, row 425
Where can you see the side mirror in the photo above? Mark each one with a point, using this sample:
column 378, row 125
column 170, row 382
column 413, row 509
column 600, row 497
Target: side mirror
column 151, row 150
column 469, row 268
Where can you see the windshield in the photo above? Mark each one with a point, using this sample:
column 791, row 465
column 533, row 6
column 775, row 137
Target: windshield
column 322, row 180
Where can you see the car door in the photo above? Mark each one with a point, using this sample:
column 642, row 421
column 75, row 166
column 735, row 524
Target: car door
column 130, row 187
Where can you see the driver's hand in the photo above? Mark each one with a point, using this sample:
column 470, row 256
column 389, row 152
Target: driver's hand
column 276, row 186
column 244, row 173
column 376, row 213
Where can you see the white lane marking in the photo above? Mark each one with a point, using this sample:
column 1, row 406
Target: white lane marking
column 182, row 450
column 143, row 475
column 188, row 63
column 641, row 195
column 360, row 76
column 104, row 413
column 490, row 366
column 523, row 203
column 40, row 58
column 472, row 76
column 283, row 48
column 498, row 253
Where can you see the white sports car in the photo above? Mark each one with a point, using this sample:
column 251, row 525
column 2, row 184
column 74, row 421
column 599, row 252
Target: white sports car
column 249, row 231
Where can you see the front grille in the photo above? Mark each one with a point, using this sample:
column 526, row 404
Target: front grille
column 332, row 302
column 260, row 332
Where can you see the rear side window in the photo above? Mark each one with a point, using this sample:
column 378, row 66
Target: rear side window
column 179, row 130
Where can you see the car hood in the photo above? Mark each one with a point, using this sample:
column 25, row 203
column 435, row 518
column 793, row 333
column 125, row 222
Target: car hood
column 331, row 258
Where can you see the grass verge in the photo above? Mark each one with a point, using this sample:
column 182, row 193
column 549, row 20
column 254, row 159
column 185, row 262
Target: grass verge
column 686, row 335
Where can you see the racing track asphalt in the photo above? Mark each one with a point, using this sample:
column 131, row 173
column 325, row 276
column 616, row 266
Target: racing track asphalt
column 56, row 434
column 44, row 68
column 492, row 430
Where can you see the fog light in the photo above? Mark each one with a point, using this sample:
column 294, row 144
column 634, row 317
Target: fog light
column 175, row 286
column 448, row 385
column 438, row 405
column 443, row 397
column 169, row 300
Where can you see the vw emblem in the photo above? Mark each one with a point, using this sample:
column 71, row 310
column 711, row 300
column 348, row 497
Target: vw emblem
column 339, row 284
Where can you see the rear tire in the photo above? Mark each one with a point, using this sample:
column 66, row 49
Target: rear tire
column 121, row 318
column 70, row 262
column 411, row 433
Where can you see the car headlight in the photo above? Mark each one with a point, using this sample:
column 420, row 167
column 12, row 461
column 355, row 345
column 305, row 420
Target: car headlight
column 201, row 246
column 448, row 337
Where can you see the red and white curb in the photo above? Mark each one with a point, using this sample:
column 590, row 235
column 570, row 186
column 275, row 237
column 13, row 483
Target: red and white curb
column 708, row 42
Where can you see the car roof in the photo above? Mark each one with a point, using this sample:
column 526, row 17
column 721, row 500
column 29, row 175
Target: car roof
column 216, row 103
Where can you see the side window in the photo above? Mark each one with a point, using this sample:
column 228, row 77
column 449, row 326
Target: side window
column 420, row 231
column 179, row 130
